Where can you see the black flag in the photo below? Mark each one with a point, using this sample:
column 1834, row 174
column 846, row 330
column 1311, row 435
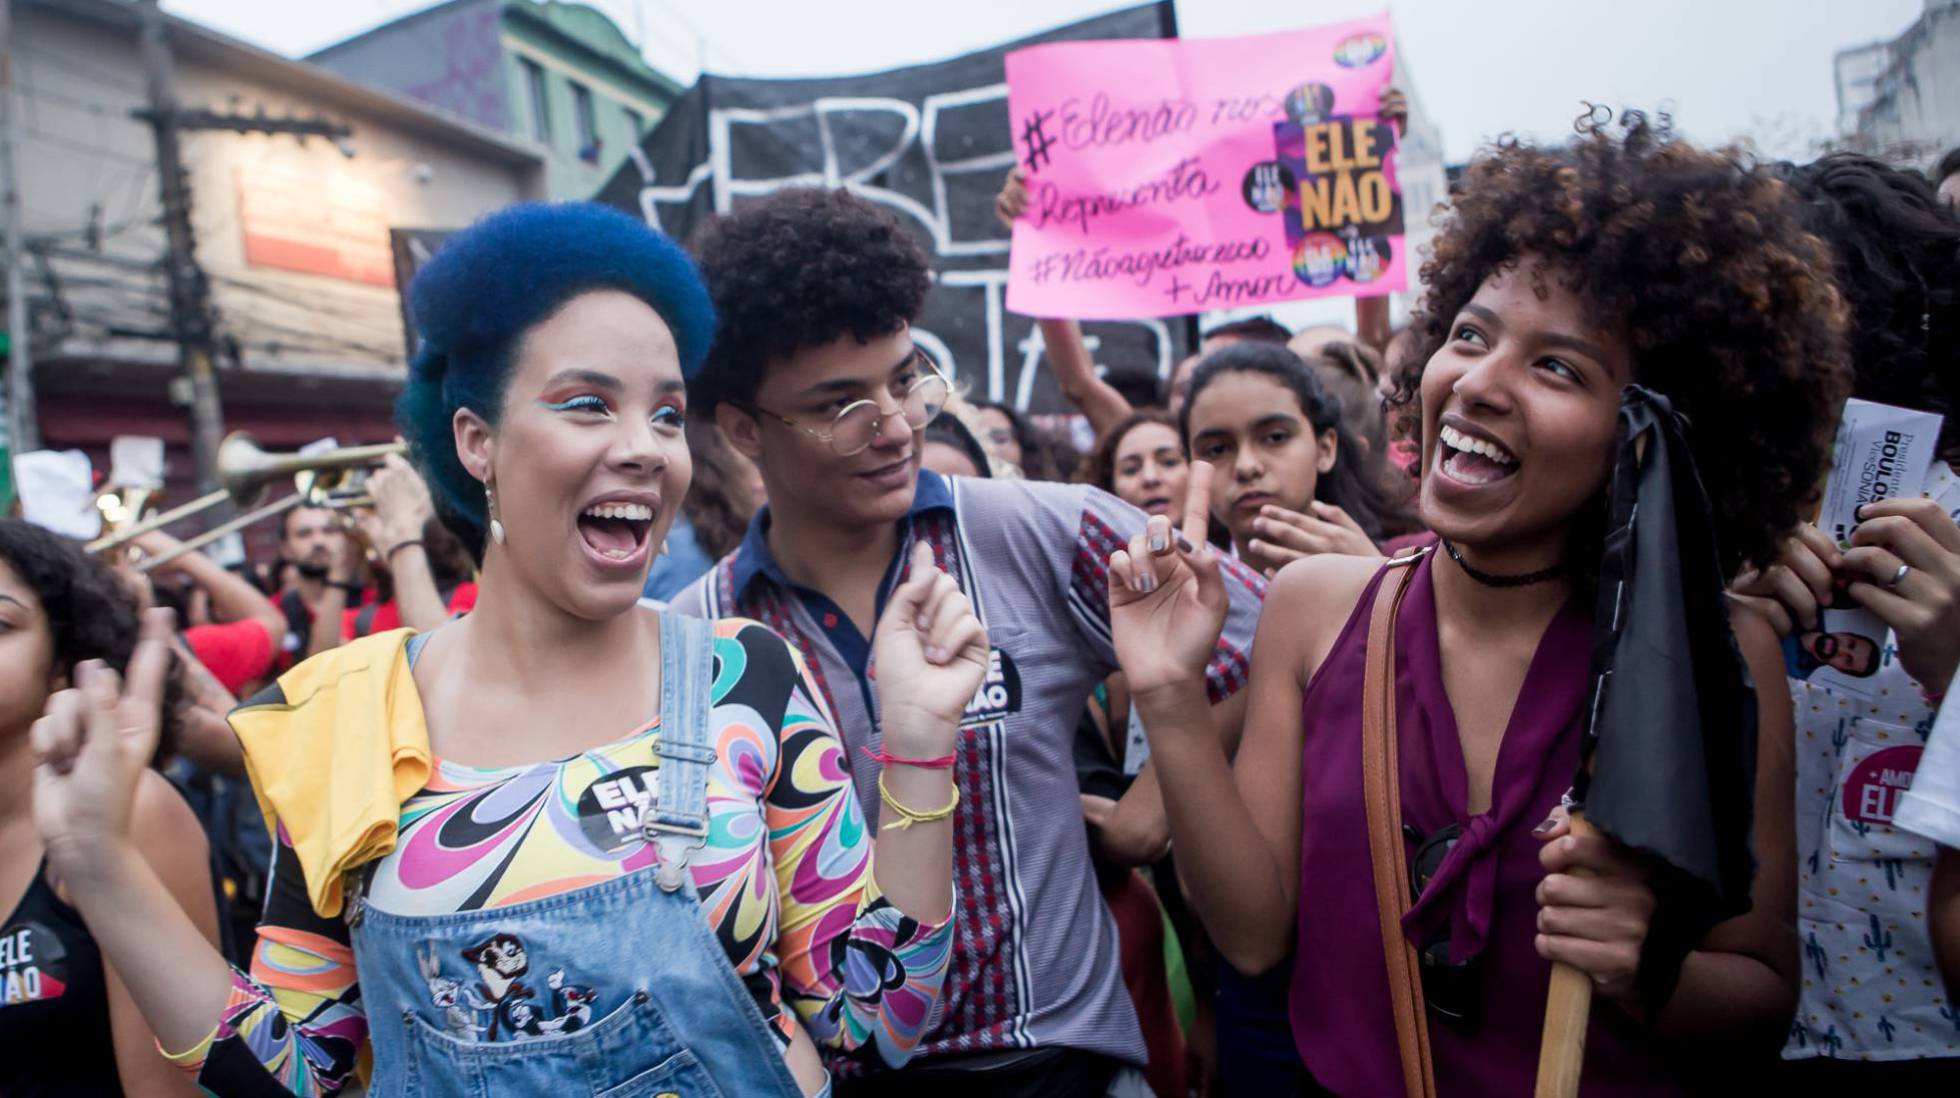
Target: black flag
column 1671, row 745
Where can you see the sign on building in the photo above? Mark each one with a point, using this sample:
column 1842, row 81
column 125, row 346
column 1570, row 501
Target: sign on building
column 334, row 225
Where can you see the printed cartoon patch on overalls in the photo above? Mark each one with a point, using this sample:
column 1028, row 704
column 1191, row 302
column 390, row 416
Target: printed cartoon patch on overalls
column 500, row 1006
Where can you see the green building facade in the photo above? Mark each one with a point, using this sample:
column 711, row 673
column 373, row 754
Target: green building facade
column 562, row 75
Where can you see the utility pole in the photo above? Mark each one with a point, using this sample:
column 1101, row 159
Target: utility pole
column 190, row 291
column 20, row 424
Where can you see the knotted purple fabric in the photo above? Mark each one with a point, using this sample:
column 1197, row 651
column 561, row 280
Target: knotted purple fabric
column 1482, row 895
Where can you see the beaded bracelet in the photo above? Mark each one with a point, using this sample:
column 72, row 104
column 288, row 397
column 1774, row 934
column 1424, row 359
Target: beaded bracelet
column 942, row 762
column 907, row 816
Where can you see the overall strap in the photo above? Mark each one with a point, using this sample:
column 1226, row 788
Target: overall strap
column 1381, row 783
column 677, row 822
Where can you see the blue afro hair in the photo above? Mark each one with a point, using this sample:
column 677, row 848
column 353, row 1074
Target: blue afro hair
column 493, row 282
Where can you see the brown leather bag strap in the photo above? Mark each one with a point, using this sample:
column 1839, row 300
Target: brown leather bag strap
column 1382, row 790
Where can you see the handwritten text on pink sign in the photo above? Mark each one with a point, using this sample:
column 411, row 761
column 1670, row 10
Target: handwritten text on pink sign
column 1170, row 177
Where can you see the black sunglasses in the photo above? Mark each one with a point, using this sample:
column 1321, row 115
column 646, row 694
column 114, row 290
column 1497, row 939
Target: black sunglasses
column 1449, row 991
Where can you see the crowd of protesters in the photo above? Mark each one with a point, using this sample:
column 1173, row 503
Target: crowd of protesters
column 718, row 700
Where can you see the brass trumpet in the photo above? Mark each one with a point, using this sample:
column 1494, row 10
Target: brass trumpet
column 123, row 506
column 333, row 479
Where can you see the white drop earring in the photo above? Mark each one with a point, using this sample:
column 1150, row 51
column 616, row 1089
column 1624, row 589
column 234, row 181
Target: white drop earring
column 663, row 547
column 496, row 525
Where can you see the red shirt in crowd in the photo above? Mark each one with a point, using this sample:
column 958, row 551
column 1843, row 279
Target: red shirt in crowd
column 239, row 653
column 388, row 616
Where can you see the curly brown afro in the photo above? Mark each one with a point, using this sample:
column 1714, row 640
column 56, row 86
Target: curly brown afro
column 1700, row 258
column 801, row 268
column 91, row 615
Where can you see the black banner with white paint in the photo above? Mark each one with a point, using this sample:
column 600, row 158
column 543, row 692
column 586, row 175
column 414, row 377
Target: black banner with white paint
column 931, row 143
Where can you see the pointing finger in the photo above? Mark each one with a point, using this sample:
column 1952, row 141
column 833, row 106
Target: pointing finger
column 1121, row 574
column 1197, row 502
column 1143, row 569
column 150, row 665
column 907, row 601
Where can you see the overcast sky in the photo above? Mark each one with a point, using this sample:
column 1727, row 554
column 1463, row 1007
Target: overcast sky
column 1727, row 68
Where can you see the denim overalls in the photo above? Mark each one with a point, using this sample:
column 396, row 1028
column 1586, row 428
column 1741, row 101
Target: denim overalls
column 618, row 990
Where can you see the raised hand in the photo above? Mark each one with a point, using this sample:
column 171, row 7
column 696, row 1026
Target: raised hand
column 1791, row 592
column 1905, row 563
column 1167, row 604
column 91, row 747
column 1286, row 536
column 401, row 502
column 1012, row 201
column 931, row 654
column 1394, row 109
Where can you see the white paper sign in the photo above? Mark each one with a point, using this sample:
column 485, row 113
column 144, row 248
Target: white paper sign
column 136, row 461
column 57, row 492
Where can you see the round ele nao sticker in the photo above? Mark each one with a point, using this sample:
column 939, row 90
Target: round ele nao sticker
column 1872, row 790
column 1309, row 103
column 1267, row 186
column 1359, row 50
column 1368, row 257
column 1320, row 259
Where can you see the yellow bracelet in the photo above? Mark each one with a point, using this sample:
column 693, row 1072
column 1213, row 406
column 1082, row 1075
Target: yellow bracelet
column 908, row 817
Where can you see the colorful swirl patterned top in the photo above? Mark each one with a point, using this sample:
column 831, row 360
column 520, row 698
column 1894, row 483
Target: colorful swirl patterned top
column 785, row 879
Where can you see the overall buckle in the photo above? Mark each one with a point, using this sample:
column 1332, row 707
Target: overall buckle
column 673, row 841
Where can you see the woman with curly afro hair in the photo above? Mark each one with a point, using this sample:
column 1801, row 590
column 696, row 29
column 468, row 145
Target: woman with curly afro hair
column 1562, row 275
column 66, row 621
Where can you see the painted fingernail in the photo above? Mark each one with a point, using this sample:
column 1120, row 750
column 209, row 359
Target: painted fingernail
column 1184, row 544
column 1158, row 542
column 1546, row 827
column 1146, row 583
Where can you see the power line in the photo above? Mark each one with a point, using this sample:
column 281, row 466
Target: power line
column 703, row 42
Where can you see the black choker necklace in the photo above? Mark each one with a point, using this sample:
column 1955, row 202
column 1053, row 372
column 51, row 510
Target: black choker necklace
column 1491, row 580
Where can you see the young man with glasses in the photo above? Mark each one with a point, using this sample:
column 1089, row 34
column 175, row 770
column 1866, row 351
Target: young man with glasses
column 816, row 377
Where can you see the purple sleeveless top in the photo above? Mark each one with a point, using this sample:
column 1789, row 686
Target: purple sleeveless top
column 1482, row 896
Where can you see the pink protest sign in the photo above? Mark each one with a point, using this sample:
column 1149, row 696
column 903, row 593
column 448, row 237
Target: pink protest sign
column 1169, row 177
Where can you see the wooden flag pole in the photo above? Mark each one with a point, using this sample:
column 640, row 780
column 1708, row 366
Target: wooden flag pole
column 1568, row 1010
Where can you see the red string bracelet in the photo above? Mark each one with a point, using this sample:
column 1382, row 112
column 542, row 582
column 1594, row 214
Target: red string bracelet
column 943, row 762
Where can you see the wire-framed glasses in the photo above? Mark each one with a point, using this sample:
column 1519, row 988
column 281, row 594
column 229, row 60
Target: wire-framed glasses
column 856, row 424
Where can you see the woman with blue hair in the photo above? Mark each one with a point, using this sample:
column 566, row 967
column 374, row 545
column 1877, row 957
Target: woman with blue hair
column 563, row 844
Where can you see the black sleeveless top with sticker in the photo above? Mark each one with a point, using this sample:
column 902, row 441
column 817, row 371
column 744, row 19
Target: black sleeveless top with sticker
column 54, row 1003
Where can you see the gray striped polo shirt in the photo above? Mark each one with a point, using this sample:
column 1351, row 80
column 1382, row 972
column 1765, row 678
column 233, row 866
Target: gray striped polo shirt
column 1035, row 960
